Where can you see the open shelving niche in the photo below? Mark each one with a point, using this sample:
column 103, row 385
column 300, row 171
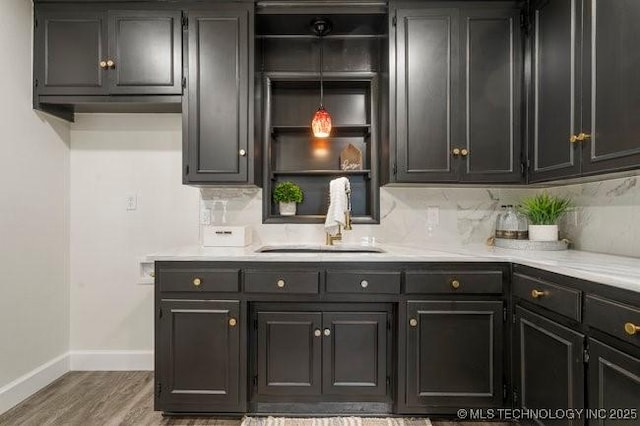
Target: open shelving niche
column 294, row 154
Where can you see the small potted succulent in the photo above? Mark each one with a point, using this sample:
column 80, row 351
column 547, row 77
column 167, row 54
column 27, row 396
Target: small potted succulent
column 544, row 211
column 287, row 194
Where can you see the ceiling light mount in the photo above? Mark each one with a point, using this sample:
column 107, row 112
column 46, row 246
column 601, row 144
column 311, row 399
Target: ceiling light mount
column 321, row 26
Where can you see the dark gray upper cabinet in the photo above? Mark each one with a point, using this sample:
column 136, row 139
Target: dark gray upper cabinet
column 427, row 97
column 89, row 50
column 69, row 46
column 491, row 76
column 440, row 372
column 218, row 116
column 585, row 88
column 555, row 114
column 611, row 86
column 457, row 102
column 549, row 365
column 146, row 47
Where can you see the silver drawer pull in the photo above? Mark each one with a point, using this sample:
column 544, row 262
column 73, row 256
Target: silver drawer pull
column 317, row 332
column 280, row 283
column 364, row 283
column 327, row 332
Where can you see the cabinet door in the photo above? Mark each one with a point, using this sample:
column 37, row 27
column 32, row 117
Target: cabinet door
column 549, row 365
column 427, row 97
column 289, row 353
column 555, row 108
column 146, row 47
column 199, row 357
column 217, row 124
column 355, row 354
column 454, row 354
column 614, row 384
column 69, row 46
column 611, row 85
column 491, row 75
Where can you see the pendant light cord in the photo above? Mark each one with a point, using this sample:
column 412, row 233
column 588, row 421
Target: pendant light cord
column 321, row 67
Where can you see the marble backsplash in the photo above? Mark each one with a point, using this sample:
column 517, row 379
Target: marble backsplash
column 602, row 221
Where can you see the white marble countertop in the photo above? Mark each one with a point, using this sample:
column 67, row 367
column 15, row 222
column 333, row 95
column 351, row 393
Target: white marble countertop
column 617, row 271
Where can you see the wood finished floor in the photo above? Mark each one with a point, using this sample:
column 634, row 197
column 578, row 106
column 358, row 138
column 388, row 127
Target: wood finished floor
column 110, row 398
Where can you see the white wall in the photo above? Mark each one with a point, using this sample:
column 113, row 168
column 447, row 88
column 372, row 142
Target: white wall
column 34, row 154
column 113, row 155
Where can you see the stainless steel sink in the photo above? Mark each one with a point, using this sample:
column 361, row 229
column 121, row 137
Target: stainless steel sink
column 309, row 248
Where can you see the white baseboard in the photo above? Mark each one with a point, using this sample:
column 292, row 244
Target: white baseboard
column 111, row 360
column 25, row 386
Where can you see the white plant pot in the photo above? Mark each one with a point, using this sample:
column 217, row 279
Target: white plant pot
column 287, row 209
column 543, row 232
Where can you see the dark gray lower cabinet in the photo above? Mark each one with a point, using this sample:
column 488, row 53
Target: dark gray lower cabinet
column 549, row 365
column 199, row 367
column 289, row 353
column 323, row 354
column 454, row 354
column 614, row 385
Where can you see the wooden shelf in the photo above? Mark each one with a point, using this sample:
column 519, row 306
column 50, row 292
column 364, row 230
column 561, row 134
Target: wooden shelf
column 341, row 130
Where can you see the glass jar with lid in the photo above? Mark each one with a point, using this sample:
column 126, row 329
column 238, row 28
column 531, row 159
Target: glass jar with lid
column 510, row 223
column 523, row 225
column 499, row 222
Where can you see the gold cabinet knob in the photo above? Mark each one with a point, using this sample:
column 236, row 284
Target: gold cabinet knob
column 573, row 139
column 317, row 332
column 413, row 322
column 631, row 329
column 243, row 152
column 197, row 282
column 327, row 332
column 582, row 136
column 456, row 151
column 232, row 322
column 364, row 283
column 537, row 293
column 464, row 152
column 103, row 64
column 455, row 284
column 110, row 63
column 280, row 283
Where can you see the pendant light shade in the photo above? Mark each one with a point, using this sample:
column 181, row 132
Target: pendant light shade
column 321, row 123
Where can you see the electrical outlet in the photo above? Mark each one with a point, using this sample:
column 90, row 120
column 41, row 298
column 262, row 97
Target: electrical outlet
column 132, row 202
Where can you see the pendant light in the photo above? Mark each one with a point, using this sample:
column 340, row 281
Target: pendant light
column 321, row 123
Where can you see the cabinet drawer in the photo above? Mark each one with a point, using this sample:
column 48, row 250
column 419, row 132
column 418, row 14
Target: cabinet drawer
column 451, row 282
column 563, row 300
column 224, row 280
column 281, row 282
column 622, row 321
column 363, row 282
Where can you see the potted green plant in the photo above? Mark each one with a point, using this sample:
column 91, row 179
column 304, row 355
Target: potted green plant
column 544, row 211
column 287, row 194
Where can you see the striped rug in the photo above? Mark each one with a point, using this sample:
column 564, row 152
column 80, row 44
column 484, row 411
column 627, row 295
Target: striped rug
column 335, row 421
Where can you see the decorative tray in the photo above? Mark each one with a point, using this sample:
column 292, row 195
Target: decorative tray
column 531, row 245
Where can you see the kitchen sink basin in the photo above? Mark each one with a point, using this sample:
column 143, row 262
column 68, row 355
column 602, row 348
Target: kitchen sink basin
column 319, row 249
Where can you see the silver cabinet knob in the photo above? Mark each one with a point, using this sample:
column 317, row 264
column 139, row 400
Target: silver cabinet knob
column 243, row 152
column 317, row 332
column 364, row 283
column 327, row 332
column 280, row 283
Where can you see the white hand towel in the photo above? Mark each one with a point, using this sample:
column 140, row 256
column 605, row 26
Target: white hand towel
column 338, row 205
